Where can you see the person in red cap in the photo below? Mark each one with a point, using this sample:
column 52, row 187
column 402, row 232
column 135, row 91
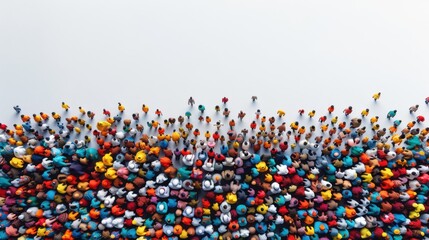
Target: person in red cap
column 420, row 119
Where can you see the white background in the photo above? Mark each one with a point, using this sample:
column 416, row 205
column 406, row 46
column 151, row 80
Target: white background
column 291, row 54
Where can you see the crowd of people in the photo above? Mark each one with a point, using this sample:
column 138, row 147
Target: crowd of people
column 100, row 175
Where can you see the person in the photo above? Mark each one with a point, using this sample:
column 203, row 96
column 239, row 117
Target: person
column 17, row 109
column 257, row 113
column 121, row 107
column 145, row 108
column 90, row 114
column 180, row 119
column 106, row 112
column 331, row 109
column 208, row 119
column 201, row 108
column 226, row 112
column 82, row 110
column 224, row 100
column 241, row 115
column 391, row 114
column 414, row 108
column 364, row 112
column 218, row 125
column 191, row 101
column 56, row 116
column 348, row 110
column 253, row 125
column 374, row 119
column 334, row 120
column 217, row 108
column 232, row 124
column 188, row 114
column 376, row 96
column 396, row 123
column 65, row 106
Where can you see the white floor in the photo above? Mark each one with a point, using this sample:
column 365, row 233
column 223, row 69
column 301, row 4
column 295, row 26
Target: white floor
column 291, row 55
